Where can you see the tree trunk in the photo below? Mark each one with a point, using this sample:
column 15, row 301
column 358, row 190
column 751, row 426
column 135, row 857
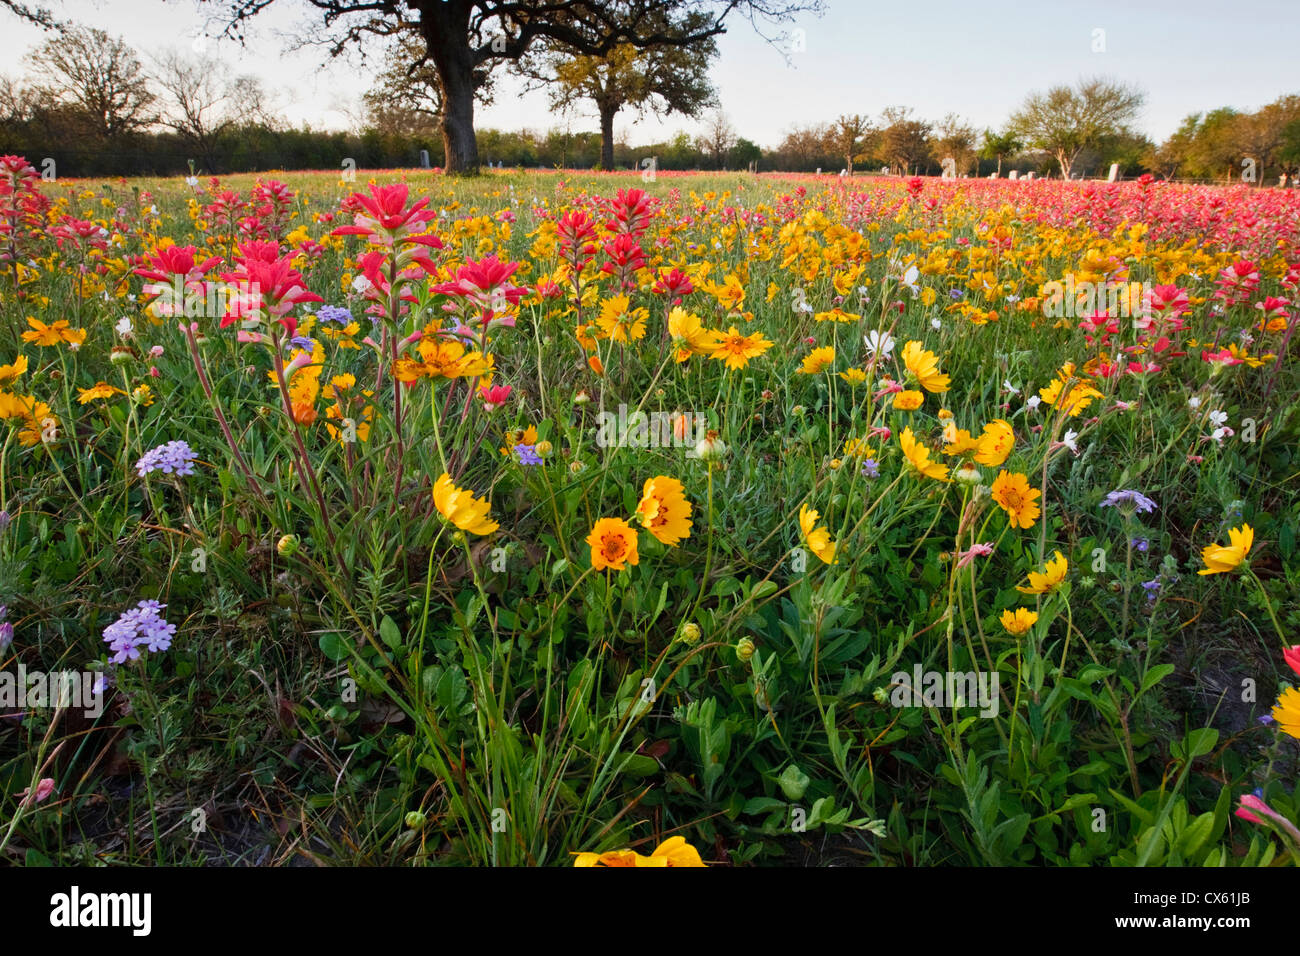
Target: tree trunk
column 446, row 32
column 1066, row 163
column 607, row 136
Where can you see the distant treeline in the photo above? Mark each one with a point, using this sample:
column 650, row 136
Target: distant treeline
column 251, row 148
column 258, row 147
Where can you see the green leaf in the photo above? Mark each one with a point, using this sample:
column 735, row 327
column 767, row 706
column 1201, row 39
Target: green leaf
column 389, row 633
column 1154, row 676
column 333, row 645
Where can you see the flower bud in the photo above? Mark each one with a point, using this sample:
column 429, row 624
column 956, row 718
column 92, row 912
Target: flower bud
column 689, row 633
column 576, row 467
column 744, row 649
column 120, row 355
column 543, row 449
column 6, row 636
column 711, row 447
column 967, row 474
column 415, row 820
column 582, row 397
column 287, row 546
column 793, row 782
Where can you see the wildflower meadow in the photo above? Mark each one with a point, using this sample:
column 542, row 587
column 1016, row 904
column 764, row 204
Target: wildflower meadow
column 586, row 519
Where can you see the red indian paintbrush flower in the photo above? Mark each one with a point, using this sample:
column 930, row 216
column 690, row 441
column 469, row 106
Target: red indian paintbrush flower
column 482, row 293
column 265, row 291
column 384, row 218
column 631, row 211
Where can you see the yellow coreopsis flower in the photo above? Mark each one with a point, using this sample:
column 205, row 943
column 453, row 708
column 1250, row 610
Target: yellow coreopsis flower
column 443, row 358
column 1079, row 397
column 11, row 406
column 854, row 376
column 613, row 544
column 909, row 400
column 664, row 510
column 1287, row 712
column 919, row 457
column 1019, row 621
column 37, row 422
column 689, row 335
column 956, row 441
column 13, row 370
column 729, row 293
column 995, row 444
column 619, row 322
column 1050, row 580
column 736, row 349
column 1016, row 498
column 612, row 858
column 817, row 361
column 818, row 539
column 924, row 365
column 99, row 390
column 836, row 315
column 461, row 508
column 858, row 448
column 1219, row 558
column 45, row 335
column 674, row 851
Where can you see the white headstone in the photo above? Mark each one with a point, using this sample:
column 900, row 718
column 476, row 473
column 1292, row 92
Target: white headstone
column 1029, row 175
column 1114, row 173
column 424, row 159
column 1014, row 174
column 819, row 170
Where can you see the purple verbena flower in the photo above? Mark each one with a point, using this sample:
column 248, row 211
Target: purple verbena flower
column 527, row 455
column 1128, row 501
column 6, row 636
column 1140, row 544
column 140, row 627
column 173, row 458
column 334, row 313
column 870, row 469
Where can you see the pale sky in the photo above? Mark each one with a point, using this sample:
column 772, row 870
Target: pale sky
column 977, row 58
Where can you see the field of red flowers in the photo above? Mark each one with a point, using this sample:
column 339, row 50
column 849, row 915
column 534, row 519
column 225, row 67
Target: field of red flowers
column 564, row 518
